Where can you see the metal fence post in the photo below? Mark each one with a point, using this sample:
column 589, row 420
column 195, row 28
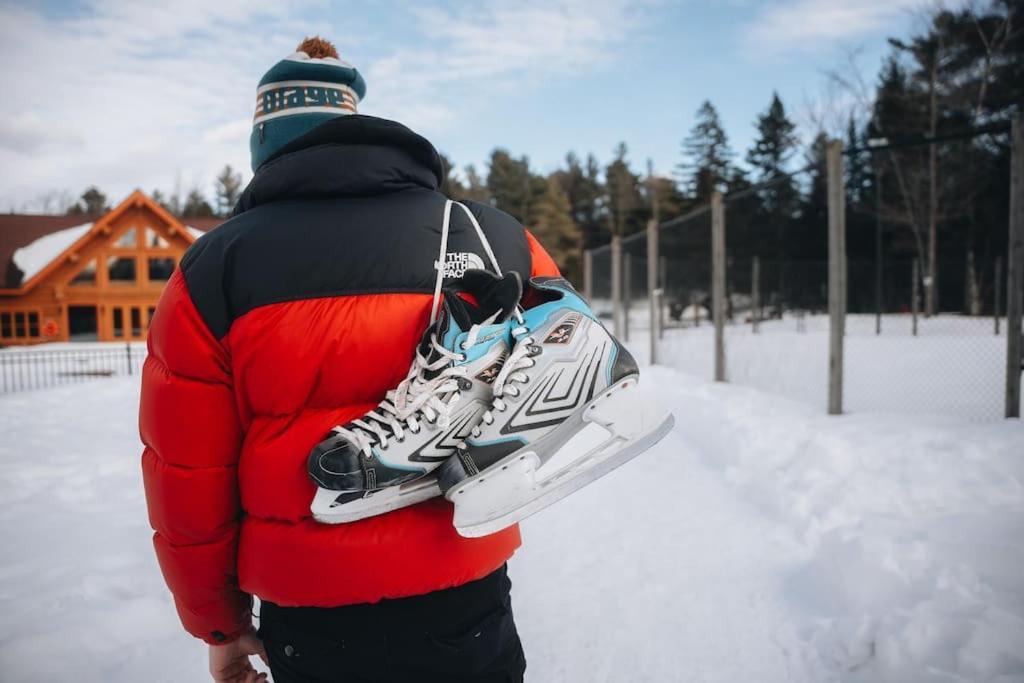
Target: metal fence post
column 616, row 285
column 915, row 294
column 128, row 355
column 653, row 312
column 998, row 304
column 836, row 274
column 1015, row 270
column 718, row 281
column 663, row 278
column 588, row 275
column 755, row 294
column 627, row 292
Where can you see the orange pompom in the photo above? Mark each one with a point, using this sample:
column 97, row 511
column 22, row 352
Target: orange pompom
column 317, row 48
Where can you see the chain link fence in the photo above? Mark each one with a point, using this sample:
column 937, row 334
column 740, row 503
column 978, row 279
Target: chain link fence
column 902, row 334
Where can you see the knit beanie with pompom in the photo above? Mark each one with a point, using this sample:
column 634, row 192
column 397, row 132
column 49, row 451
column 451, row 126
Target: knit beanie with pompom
column 299, row 93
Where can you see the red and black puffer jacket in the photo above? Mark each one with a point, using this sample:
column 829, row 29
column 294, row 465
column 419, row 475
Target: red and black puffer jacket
column 296, row 315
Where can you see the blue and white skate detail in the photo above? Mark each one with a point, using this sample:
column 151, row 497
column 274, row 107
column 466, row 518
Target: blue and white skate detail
column 567, row 409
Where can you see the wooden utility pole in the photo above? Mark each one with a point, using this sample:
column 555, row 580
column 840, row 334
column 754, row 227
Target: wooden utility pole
column 718, row 281
column 663, row 278
column 755, row 293
column 915, row 295
column 588, row 275
column 1015, row 270
column 653, row 260
column 627, row 293
column 836, row 274
column 932, row 279
column 616, row 285
column 878, row 247
column 997, row 307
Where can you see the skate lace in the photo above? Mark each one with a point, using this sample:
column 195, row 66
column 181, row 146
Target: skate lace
column 512, row 372
column 422, row 397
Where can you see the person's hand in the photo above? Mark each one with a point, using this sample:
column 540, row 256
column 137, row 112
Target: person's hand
column 229, row 663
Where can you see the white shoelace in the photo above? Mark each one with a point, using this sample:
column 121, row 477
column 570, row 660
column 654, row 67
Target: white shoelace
column 512, row 371
column 416, row 399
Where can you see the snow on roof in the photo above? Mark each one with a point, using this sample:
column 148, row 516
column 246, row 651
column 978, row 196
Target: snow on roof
column 35, row 256
column 195, row 232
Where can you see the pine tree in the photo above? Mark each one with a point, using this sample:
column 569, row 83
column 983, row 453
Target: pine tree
column 583, row 188
column 92, row 203
column 196, row 205
column 625, row 202
column 557, row 231
column 227, row 189
column 509, row 184
column 706, row 155
column 476, row 188
column 775, row 145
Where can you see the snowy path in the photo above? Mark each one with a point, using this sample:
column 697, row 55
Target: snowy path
column 760, row 541
column 692, row 594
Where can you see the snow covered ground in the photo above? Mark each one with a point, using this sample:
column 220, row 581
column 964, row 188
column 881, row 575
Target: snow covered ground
column 955, row 365
column 760, row 541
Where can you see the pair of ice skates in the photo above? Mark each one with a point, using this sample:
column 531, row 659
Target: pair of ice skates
column 512, row 402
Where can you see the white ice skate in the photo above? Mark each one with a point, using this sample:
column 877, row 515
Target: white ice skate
column 567, row 410
column 383, row 460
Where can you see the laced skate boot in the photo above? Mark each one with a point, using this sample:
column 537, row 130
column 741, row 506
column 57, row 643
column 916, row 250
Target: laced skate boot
column 383, row 460
column 567, row 409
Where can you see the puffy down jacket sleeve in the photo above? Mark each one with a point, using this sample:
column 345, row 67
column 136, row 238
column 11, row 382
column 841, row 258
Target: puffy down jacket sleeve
column 192, row 436
column 541, row 262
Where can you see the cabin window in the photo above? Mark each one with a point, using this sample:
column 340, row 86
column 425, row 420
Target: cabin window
column 121, row 270
column 160, row 269
column 118, row 322
column 86, row 276
column 155, row 239
column 19, row 325
column 128, row 239
column 136, row 321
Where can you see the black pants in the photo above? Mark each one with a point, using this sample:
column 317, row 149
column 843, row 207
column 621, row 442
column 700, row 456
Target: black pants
column 459, row 635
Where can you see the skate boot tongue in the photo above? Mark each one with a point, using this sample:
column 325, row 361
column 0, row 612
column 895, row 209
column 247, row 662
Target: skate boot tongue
column 490, row 302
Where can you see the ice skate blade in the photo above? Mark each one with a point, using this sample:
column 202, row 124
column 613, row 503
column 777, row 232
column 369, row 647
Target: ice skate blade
column 392, row 498
column 512, row 490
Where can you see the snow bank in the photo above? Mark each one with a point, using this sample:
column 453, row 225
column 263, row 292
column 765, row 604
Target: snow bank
column 915, row 528
column 760, row 541
column 35, row 256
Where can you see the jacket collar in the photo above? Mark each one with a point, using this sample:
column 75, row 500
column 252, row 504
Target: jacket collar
column 348, row 156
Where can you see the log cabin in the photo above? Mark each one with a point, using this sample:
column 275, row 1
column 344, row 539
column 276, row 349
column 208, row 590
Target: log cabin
column 81, row 278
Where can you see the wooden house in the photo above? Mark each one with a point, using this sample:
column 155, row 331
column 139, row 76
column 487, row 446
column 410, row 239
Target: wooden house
column 75, row 278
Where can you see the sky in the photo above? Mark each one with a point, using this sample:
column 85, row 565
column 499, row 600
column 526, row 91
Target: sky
column 122, row 95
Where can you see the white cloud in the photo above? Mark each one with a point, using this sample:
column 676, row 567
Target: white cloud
column 794, row 26
column 125, row 94
column 493, row 47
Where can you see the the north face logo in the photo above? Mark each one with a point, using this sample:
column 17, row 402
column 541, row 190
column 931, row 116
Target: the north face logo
column 458, row 262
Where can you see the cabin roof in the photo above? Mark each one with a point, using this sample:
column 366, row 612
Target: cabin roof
column 29, row 242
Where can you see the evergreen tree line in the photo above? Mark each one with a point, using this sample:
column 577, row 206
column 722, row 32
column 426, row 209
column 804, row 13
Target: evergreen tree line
column 964, row 69
column 194, row 204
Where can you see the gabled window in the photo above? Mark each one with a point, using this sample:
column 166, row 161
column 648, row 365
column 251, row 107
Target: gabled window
column 86, row 276
column 127, row 240
column 155, row 240
column 160, row 269
column 121, row 270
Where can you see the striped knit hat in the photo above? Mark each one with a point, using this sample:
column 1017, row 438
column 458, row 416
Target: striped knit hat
column 299, row 93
